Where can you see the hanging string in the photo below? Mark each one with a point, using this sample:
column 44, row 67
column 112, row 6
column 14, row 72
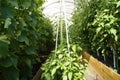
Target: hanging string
column 56, row 46
column 61, row 26
column 66, row 25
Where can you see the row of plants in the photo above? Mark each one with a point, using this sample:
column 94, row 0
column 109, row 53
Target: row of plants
column 24, row 32
column 96, row 28
column 62, row 65
column 65, row 62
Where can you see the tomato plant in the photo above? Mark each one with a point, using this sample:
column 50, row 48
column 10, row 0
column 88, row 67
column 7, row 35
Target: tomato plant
column 96, row 28
column 21, row 26
column 62, row 66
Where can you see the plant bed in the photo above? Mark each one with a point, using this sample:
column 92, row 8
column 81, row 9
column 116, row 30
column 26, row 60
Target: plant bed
column 96, row 70
column 63, row 66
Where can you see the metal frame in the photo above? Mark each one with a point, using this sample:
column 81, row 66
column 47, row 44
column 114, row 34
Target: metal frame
column 52, row 8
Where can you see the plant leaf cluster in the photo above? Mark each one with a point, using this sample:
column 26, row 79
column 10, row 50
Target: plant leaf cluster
column 22, row 28
column 63, row 66
column 96, row 27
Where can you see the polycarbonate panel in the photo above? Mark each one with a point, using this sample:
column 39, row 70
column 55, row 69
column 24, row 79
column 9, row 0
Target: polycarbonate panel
column 53, row 8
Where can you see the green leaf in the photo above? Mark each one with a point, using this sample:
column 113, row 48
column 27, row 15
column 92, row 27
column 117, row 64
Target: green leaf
column 58, row 51
column 33, row 22
column 14, row 44
column 53, row 63
column 18, row 33
column 77, row 65
column 30, row 50
column 7, row 23
column 28, row 62
column 25, row 72
column 74, row 48
column 103, row 51
column 22, row 22
column 26, row 4
column 79, row 48
column 14, row 60
column 11, row 29
column 7, row 12
column 118, row 58
column 9, row 61
column 23, row 38
column 70, row 75
column 5, row 62
column 66, row 63
column 11, row 73
column 14, row 3
column 3, row 49
column 116, row 38
column 4, row 39
column 47, row 75
column 113, row 31
column 118, row 4
column 40, row 2
column 60, row 56
column 53, row 71
column 98, row 29
column 65, row 77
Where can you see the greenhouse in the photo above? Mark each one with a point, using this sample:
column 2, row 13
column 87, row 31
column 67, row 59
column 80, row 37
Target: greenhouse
column 59, row 40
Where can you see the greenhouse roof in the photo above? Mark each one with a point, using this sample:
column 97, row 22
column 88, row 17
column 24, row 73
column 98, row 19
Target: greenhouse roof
column 58, row 8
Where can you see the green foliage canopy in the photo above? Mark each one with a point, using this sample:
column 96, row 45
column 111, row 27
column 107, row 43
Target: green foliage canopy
column 21, row 23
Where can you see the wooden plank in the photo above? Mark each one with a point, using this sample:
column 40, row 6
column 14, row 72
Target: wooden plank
column 37, row 75
column 102, row 71
column 96, row 67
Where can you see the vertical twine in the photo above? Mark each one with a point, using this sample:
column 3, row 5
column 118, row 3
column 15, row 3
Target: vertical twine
column 66, row 25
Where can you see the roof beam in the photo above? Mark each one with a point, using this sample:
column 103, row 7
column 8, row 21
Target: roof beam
column 57, row 1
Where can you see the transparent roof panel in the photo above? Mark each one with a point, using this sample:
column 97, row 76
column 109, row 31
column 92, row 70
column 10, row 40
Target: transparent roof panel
column 53, row 8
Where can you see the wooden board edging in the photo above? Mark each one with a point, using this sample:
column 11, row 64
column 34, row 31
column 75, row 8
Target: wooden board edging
column 101, row 70
column 37, row 75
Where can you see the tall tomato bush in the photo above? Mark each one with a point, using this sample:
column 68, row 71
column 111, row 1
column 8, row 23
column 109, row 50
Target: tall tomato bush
column 96, row 28
column 20, row 22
